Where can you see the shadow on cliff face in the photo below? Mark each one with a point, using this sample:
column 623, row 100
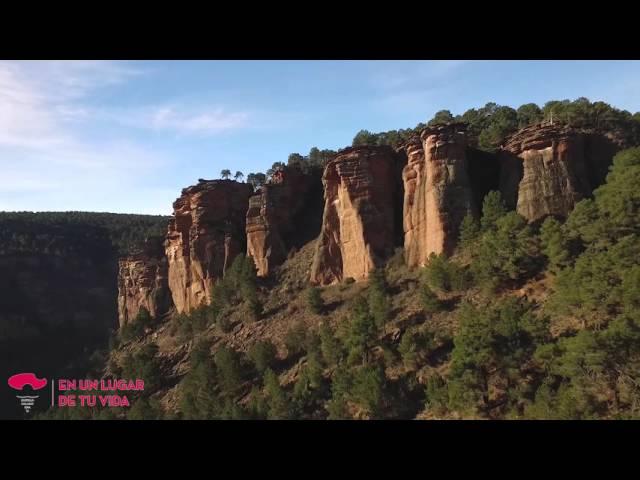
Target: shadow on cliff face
column 307, row 221
column 484, row 174
column 401, row 160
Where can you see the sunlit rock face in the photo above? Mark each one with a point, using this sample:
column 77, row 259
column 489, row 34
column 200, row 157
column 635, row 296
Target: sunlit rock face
column 143, row 282
column 546, row 169
column 205, row 234
column 359, row 215
column 437, row 191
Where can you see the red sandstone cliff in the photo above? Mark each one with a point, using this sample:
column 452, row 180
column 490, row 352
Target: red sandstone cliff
column 142, row 282
column 270, row 218
column 358, row 220
column 437, row 191
column 205, row 234
column 546, row 169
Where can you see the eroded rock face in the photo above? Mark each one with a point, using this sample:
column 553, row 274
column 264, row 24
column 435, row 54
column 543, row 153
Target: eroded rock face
column 271, row 217
column 358, row 220
column 142, row 282
column 547, row 169
column 205, row 234
column 437, row 192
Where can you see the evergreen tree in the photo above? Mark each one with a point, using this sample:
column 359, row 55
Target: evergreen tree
column 492, row 209
column 314, row 299
column 263, row 354
column 469, row 231
column 277, row 402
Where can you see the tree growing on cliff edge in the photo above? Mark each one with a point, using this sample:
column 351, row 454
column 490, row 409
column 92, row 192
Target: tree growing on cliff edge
column 442, row 116
column 256, row 180
column 238, row 176
column 225, row 174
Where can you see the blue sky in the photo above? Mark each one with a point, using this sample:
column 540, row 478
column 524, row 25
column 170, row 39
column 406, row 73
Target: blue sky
column 128, row 136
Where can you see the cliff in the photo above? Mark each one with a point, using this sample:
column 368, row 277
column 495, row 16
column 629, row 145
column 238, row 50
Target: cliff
column 274, row 223
column 546, row 169
column 143, row 282
column 205, row 234
column 437, row 191
column 358, row 220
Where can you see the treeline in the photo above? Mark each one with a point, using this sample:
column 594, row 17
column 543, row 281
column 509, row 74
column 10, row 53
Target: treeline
column 126, row 232
column 312, row 163
column 489, row 125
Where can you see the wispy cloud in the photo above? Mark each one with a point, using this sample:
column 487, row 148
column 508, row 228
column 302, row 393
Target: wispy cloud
column 43, row 158
column 181, row 119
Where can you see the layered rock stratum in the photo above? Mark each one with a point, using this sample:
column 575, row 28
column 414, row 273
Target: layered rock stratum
column 547, row 168
column 358, row 221
column 271, row 217
column 143, row 282
column 437, row 191
column 206, row 233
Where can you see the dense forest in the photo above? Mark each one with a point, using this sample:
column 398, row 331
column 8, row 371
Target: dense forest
column 125, row 232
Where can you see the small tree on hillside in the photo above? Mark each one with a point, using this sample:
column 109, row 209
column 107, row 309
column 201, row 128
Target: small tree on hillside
column 225, row 174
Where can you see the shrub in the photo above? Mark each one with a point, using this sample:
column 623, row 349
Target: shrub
column 229, row 369
column 430, row 301
column 329, row 345
column 295, row 338
column 314, row 300
column 263, row 354
column 443, row 274
column 277, row 401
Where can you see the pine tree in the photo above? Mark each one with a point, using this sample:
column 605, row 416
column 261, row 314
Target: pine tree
column 314, row 299
column 492, row 209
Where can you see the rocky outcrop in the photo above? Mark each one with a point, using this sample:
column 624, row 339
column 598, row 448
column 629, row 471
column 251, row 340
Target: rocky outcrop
column 143, row 282
column 358, row 220
column 546, row 169
column 272, row 215
column 205, row 234
column 437, row 191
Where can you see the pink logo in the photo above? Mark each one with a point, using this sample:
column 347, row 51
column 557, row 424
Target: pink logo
column 19, row 380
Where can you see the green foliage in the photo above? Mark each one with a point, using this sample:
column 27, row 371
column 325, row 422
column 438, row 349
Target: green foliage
column 143, row 364
column 145, row 409
column 436, row 394
column 256, row 179
column 199, row 399
column 441, row 116
column 278, row 405
column 229, row 369
column 469, row 231
column 295, row 338
column 364, row 137
column 492, row 209
column 408, row 349
column 135, row 329
column 528, row 114
column 505, row 254
column 225, row 174
column 314, row 300
column 430, row 301
column 378, row 298
column 553, row 244
column 493, row 341
column 368, row 389
column 361, row 331
column 101, row 233
column 329, row 345
column 263, row 354
column 443, row 274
